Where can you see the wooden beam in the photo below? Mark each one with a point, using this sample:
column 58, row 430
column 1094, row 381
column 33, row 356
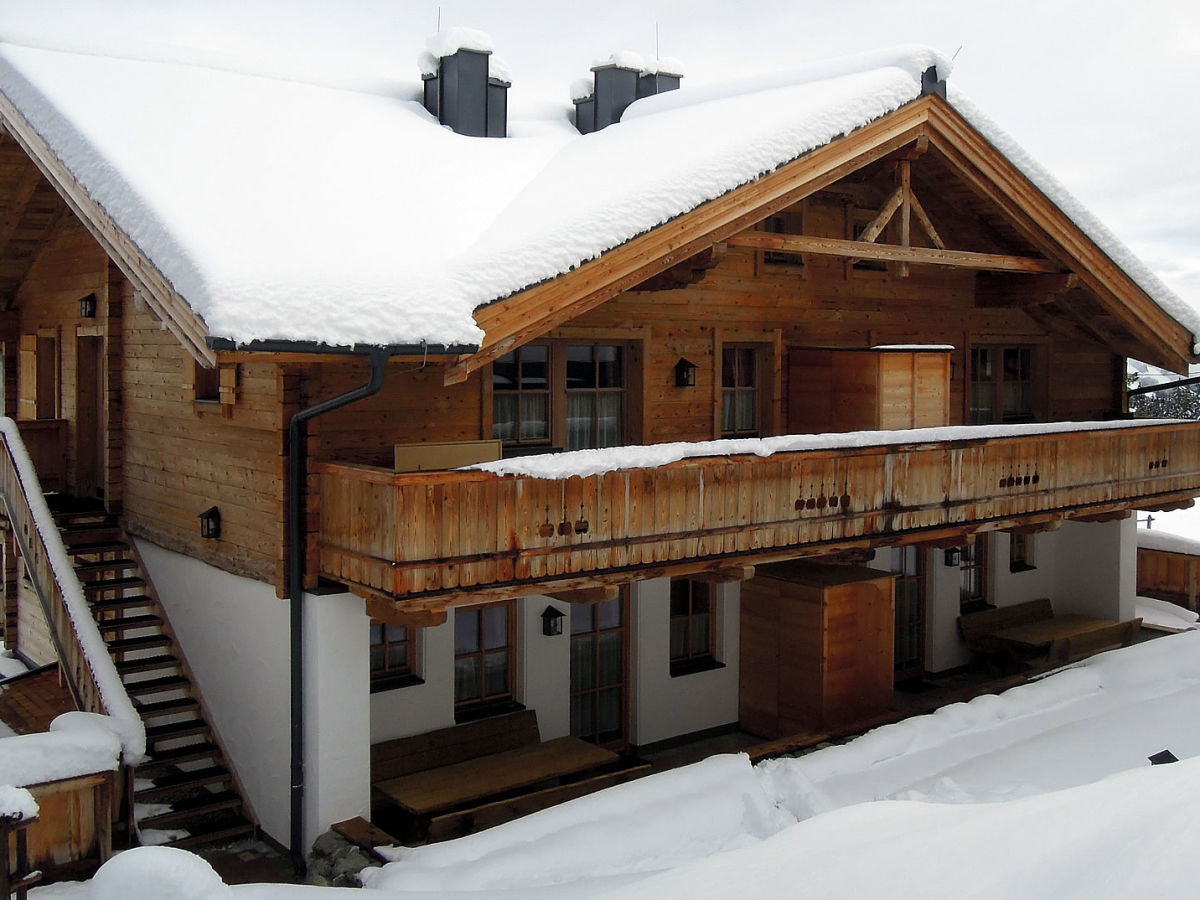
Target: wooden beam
column 905, row 212
column 925, row 222
column 876, row 225
column 599, row 594
column 385, row 609
column 518, row 319
column 963, row 259
column 726, row 575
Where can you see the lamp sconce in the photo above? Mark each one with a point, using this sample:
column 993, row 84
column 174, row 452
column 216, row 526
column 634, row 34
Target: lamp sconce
column 210, row 523
column 87, row 307
column 552, row 621
column 685, row 373
column 953, row 557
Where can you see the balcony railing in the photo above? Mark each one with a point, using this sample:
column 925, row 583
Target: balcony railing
column 421, row 535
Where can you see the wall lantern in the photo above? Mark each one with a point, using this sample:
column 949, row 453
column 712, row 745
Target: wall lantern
column 552, row 621
column 685, row 373
column 87, row 307
column 210, row 523
column 953, row 557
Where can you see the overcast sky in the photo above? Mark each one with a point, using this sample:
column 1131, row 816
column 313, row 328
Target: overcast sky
column 1100, row 92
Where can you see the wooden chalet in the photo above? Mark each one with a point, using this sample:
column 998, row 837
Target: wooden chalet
column 893, row 366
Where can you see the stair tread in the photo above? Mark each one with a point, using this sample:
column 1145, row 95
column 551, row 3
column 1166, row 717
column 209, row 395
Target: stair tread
column 147, row 663
column 104, row 565
column 162, row 732
column 160, row 707
column 180, row 780
column 144, row 642
column 155, row 685
column 187, row 753
column 122, row 602
column 83, row 549
column 219, row 830
column 105, row 584
column 144, row 621
column 211, row 802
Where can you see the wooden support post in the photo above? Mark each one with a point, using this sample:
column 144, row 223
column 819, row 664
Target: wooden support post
column 905, row 212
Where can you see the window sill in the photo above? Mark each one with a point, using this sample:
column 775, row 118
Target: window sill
column 394, row 682
column 692, row 666
column 1021, row 567
column 486, row 710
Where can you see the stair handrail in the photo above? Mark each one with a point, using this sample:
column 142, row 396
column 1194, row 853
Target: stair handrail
column 82, row 652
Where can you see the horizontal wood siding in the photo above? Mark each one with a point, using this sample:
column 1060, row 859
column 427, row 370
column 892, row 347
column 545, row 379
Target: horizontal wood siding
column 182, row 457
column 414, row 533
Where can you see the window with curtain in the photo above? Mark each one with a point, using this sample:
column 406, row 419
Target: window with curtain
column 594, row 386
column 393, row 655
column 739, row 392
column 484, row 639
column 598, row 672
column 693, row 635
column 1002, row 385
column 521, row 396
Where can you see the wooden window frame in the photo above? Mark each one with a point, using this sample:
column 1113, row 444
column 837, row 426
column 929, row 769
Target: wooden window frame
column 386, row 677
column 487, row 704
column 761, row 403
column 780, row 262
column 1036, row 382
column 903, row 578
column 557, row 349
column 622, row 740
column 694, row 659
column 1022, row 556
column 974, row 559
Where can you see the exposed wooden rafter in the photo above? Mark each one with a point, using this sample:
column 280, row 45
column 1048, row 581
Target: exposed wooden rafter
column 600, row 593
column 797, row 243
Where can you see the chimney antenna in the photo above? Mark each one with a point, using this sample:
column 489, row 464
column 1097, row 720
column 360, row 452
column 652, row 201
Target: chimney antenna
column 657, row 52
column 438, row 30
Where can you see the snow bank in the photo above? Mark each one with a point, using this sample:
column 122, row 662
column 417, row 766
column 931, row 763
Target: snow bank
column 72, row 748
column 112, row 692
column 16, row 803
column 593, row 462
column 161, row 873
column 644, row 825
column 1166, row 615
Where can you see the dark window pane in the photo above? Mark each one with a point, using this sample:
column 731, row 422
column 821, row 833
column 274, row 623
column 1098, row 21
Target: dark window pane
column 608, row 669
column 609, row 613
column 583, row 718
column 609, row 710
column 535, row 416
column 581, row 370
column 398, row 657
column 729, row 367
column 583, row 664
column 700, row 598
column 504, row 417
column 466, row 630
column 700, row 632
column 495, row 673
column 679, row 638
column 583, row 618
column 609, row 372
column 377, row 633
column 745, row 367
column 504, row 372
column 397, row 633
column 535, row 368
column 495, row 627
column 376, row 659
column 466, row 679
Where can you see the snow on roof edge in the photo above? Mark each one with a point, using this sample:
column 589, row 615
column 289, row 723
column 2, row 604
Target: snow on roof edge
column 1117, row 251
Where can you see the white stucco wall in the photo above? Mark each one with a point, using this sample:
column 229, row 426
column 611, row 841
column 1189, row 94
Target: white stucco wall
column 1009, row 587
column 234, row 633
column 337, row 721
column 666, row 707
column 1097, row 569
column 417, row 708
column 546, row 667
column 944, row 649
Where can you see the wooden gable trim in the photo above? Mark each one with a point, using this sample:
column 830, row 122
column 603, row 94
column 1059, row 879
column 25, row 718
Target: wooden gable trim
column 1049, row 229
column 511, row 322
column 147, row 280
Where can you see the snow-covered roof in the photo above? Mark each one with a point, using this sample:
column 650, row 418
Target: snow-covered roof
column 1157, row 539
column 283, row 210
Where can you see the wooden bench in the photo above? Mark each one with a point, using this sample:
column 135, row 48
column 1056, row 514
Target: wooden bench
column 457, row 780
column 978, row 630
column 1089, row 643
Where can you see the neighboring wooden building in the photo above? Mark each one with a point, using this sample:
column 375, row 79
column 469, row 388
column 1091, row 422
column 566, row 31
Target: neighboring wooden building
column 903, row 275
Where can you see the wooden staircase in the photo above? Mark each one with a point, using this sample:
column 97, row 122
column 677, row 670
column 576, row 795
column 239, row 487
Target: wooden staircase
column 185, row 790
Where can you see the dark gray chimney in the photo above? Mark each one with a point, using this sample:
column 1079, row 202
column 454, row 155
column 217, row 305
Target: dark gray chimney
column 931, row 84
column 616, row 84
column 463, row 97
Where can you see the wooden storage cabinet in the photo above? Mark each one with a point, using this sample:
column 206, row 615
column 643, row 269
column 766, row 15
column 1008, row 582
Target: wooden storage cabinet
column 816, row 647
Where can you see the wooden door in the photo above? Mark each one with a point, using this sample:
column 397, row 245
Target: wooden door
column 89, row 424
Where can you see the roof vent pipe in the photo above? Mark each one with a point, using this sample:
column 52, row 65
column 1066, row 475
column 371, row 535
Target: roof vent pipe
column 931, row 84
column 464, row 85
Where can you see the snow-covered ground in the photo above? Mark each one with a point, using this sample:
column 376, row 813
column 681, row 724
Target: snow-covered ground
column 1043, row 791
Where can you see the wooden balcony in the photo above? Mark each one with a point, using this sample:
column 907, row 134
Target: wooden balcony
column 439, row 538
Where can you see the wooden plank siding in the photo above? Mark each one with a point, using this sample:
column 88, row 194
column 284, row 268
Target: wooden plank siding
column 1170, row 576
column 445, row 533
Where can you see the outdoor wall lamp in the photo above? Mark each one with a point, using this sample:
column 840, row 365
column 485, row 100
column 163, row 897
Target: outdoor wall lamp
column 953, row 557
column 87, row 307
column 685, row 373
column 210, row 523
column 552, row 621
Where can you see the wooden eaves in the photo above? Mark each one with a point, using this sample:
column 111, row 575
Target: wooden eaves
column 528, row 314
column 145, row 277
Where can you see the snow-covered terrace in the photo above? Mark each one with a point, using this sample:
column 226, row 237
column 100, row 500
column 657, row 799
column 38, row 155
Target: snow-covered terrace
column 577, row 519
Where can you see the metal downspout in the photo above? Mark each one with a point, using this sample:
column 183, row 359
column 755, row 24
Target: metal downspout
column 297, row 473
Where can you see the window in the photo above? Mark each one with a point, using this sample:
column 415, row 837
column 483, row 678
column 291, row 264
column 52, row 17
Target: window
column 693, row 635
column 207, row 383
column 560, row 395
column 1002, row 385
column 598, row 671
column 1020, row 552
column 740, row 413
column 788, row 221
column 484, row 639
column 973, row 571
column 906, row 562
column 393, row 655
